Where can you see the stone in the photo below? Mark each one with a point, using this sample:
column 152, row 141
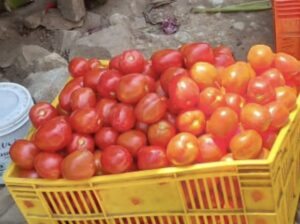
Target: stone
column 89, row 52
column 239, row 25
column 183, row 37
column 9, row 51
column 49, row 62
column 73, row 10
column 93, row 21
column 33, row 21
column 118, row 18
column 64, row 39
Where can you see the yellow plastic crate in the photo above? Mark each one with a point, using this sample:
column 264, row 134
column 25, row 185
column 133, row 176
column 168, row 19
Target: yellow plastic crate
column 239, row 192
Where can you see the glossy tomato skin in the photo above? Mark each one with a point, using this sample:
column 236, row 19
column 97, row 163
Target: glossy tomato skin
column 81, row 142
column 210, row 99
column 83, row 97
column 122, row 117
column 132, row 140
column 159, row 90
column 108, row 83
column 269, row 137
column 92, row 78
column 288, row 65
column 78, row 67
column 61, row 111
column 149, row 71
column 116, row 159
column 85, row 120
column 54, row 135
column 160, row 133
column 234, row 101
column 32, row 174
column 204, row 74
column 287, row 96
column 105, row 137
column 222, row 50
column 260, row 57
column 274, row 76
column 93, row 63
column 224, row 60
column 191, row 121
column 260, row 91
column 151, row 108
column 48, row 165
column 183, row 149
column 78, row 165
column 279, row 114
column 164, row 59
column 131, row 61
column 23, row 152
column 103, row 108
column 141, row 126
column 152, row 157
column 97, row 162
column 114, row 63
column 41, row 112
column 167, row 76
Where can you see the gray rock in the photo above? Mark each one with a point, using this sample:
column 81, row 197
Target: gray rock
column 73, row 10
column 49, row 62
column 9, row 51
column 239, row 25
column 92, row 21
column 64, row 39
column 183, row 37
column 118, row 18
column 33, row 21
column 89, row 52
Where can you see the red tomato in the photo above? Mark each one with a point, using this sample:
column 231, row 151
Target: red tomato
column 191, row 121
column 41, row 112
column 92, row 78
column 151, row 108
column 78, row 165
column 93, row 63
column 260, row 57
column 151, row 157
column 234, row 101
column 132, row 140
column 246, row 145
column 78, row 67
column 264, row 154
column 222, row 50
column 61, row 111
column 108, row 83
column 279, row 115
column 103, row 108
column 170, row 118
column 122, row 117
column 32, row 174
column 260, row 91
column 204, row 74
column 183, row 149
column 274, row 76
column 210, row 99
column 114, row 63
column 287, row 96
column 54, row 135
column 159, row 90
column 23, row 152
column 222, row 123
column 269, row 138
column 48, row 165
column 116, row 159
column 81, row 141
column 97, row 162
column 223, row 60
column 83, row 97
column 105, row 137
column 141, row 126
column 149, row 71
column 169, row 74
column 287, row 65
column 164, row 59
column 160, row 133
column 255, row 116
column 131, row 61
column 85, row 121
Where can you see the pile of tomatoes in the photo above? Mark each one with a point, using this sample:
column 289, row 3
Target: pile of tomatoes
column 187, row 106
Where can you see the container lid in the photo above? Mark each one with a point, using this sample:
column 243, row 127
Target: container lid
column 15, row 102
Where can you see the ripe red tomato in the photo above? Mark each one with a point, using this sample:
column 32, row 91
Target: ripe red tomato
column 169, row 74
column 116, row 159
column 108, row 83
column 114, row 63
column 256, row 117
column 234, row 101
column 92, row 78
column 151, row 157
column 61, row 111
column 183, row 149
column 210, row 99
column 141, row 127
column 191, row 121
column 93, row 63
column 164, row 59
column 54, row 135
column 279, row 115
column 131, row 61
column 122, row 117
column 260, row 91
column 151, row 108
column 132, row 140
column 287, row 96
column 103, row 108
column 41, row 112
column 260, row 57
column 105, row 137
column 288, row 65
column 78, row 165
column 78, row 67
column 85, row 120
column 170, row 118
column 159, row 90
column 264, row 154
column 81, row 141
column 97, row 162
column 222, row 123
column 274, row 76
column 246, row 145
column 48, row 165
column 222, row 50
column 269, row 138
column 83, row 97
column 223, row 60
column 23, row 152
column 204, row 74
column 32, row 174
column 149, row 71
column 160, row 133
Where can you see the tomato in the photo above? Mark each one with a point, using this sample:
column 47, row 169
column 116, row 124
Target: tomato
column 222, row 123
column 32, row 174
column 287, row 96
column 53, row 135
column 122, row 117
column 269, row 137
column 183, row 92
column 246, row 145
column 48, row 165
column 93, row 63
column 160, row 133
column 83, row 97
column 114, row 63
column 223, row 60
column 149, row 71
column 204, row 74
column 260, row 91
column 170, row 118
column 222, row 50
column 279, row 115
column 234, row 101
column 132, row 140
column 103, row 108
column 81, row 141
column 255, row 116
column 164, row 59
column 159, row 90
column 65, row 95
column 78, row 66
column 169, row 74
column 78, row 165
column 191, row 121
column 116, row 159
column 151, row 157
column 183, row 149
column 141, row 126
column 97, row 162
column 151, row 108
column 227, row 158
column 131, row 61
column 275, row 77
column 92, row 78
column 264, row 154
column 41, row 112
column 105, row 137
column 23, row 152
column 108, row 83
column 61, row 111
column 210, row 99
column 260, row 57
column 85, row 120
column 288, row 65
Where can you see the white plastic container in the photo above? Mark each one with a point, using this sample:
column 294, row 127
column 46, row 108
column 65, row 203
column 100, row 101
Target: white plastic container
column 15, row 103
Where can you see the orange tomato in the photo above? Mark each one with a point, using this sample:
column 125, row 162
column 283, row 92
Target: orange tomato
column 204, row 74
column 286, row 95
column 260, row 57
